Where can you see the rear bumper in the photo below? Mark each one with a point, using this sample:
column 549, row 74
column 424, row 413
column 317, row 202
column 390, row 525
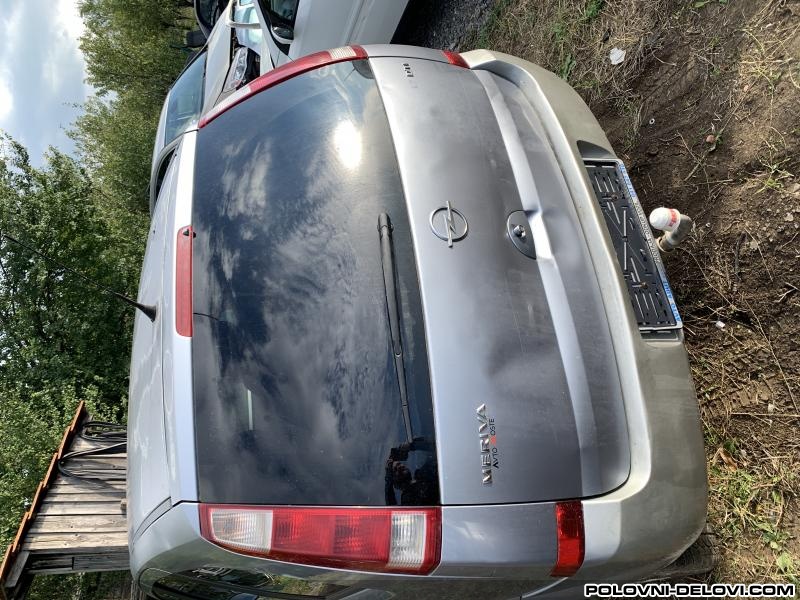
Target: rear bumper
column 661, row 508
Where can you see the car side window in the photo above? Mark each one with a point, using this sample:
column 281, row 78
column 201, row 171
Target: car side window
column 217, row 583
column 185, row 98
column 207, row 12
column 283, row 10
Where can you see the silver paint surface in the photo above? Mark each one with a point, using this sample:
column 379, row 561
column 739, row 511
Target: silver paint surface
column 524, row 337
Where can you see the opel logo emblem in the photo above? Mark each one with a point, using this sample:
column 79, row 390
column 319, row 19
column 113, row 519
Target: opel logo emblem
column 448, row 224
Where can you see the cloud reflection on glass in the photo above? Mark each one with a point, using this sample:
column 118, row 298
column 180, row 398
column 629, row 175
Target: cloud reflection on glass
column 347, row 141
column 296, row 394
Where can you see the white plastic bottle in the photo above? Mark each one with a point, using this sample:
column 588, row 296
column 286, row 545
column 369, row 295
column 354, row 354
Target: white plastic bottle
column 676, row 227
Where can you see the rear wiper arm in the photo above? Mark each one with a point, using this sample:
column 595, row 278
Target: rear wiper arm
column 390, row 287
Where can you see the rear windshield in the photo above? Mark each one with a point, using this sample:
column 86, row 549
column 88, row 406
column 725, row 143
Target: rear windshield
column 296, row 392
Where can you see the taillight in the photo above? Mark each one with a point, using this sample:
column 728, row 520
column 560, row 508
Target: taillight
column 570, row 535
column 454, row 58
column 183, row 281
column 281, row 74
column 396, row 540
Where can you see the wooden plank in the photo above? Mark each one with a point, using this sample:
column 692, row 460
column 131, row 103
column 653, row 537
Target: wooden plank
column 102, row 461
column 77, row 418
column 85, row 487
column 67, row 570
column 13, row 551
column 20, row 561
column 118, row 453
column 81, row 508
column 5, row 565
column 78, row 563
column 77, row 466
column 72, row 542
column 79, row 523
column 50, row 475
column 99, row 482
column 89, row 496
column 23, row 527
column 117, row 561
column 116, row 459
column 104, row 471
column 84, row 569
column 62, row 447
column 76, row 524
column 82, row 563
column 46, row 561
column 65, row 485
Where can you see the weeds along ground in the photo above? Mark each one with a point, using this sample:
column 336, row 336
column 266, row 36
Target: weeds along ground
column 705, row 112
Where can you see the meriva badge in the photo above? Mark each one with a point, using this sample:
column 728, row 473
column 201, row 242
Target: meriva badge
column 487, row 432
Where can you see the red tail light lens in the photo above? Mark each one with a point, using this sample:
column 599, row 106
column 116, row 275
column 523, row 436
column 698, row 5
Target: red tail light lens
column 397, row 540
column 281, row 74
column 571, row 541
column 183, row 281
column 454, row 58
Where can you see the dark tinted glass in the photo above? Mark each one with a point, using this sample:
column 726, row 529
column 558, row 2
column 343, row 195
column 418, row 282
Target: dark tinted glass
column 296, row 392
column 207, row 13
column 282, row 11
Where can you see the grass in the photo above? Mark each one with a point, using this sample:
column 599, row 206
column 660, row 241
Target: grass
column 573, row 38
column 592, row 10
column 569, row 36
column 773, row 165
column 749, row 499
column 701, row 3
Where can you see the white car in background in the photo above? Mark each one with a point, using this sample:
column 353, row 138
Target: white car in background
column 231, row 56
column 300, row 27
column 250, row 38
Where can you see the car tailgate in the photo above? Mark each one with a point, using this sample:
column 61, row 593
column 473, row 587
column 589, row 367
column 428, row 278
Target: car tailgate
column 526, row 394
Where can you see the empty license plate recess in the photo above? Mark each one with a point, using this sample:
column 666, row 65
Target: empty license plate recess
column 638, row 256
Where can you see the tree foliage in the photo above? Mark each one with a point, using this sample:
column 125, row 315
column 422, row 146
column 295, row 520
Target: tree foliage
column 62, row 340
column 115, row 140
column 134, row 50
column 133, row 45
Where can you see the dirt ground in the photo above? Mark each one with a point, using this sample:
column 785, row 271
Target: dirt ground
column 705, row 111
column 723, row 96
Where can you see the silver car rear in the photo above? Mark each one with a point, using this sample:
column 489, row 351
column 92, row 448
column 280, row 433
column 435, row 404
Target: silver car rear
column 560, row 424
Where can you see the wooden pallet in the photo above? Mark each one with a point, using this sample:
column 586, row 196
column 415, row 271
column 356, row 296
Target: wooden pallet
column 75, row 523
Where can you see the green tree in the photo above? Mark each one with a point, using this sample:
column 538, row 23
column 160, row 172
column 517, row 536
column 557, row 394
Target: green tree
column 134, row 51
column 55, row 327
column 115, row 141
column 61, row 339
column 134, row 45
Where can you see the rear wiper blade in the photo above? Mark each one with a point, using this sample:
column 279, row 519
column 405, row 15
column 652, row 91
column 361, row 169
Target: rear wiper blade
column 390, row 287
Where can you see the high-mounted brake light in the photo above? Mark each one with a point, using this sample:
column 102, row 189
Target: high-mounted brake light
column 454, row 58
column 281, row 74
column 396, row 540
column 183, row 281
column 571, row 541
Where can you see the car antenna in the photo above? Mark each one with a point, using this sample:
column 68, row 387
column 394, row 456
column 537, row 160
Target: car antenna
column 150, row 311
